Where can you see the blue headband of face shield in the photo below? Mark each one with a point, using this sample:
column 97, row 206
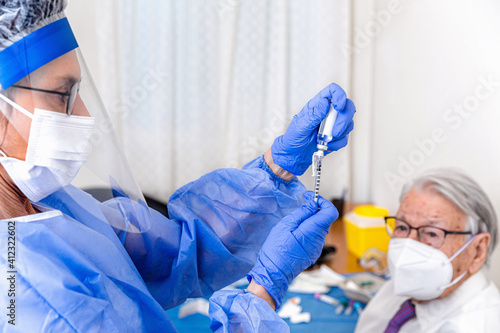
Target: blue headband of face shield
column 35, row 50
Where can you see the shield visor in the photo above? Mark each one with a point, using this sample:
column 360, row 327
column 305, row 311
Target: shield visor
column 53, row 119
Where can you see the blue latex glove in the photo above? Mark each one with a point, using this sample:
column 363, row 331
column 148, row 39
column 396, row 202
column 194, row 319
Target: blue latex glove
column 293, row 151
column 294, row 244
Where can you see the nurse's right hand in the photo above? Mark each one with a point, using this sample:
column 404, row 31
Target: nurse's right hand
column 294, row 244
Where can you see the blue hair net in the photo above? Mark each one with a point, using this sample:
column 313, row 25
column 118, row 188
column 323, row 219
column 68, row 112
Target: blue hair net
column 20, row 17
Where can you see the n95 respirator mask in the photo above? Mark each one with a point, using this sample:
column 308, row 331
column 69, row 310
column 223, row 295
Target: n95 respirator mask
column 420, row 271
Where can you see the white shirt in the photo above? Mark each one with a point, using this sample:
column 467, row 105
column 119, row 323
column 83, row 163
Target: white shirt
column 474, row 307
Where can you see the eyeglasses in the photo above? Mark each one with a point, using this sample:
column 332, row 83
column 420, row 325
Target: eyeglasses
column 70, row 94
column 429, row 235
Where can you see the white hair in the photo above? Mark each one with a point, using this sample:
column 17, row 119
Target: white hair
column 464, row 193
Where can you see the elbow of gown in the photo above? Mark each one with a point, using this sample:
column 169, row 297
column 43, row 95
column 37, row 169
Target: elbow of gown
column 217, row 226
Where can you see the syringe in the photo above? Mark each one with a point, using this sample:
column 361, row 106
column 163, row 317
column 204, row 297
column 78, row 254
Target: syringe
column 324, row 137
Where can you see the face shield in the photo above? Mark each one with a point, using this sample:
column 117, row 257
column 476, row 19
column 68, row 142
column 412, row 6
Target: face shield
column 54, row 129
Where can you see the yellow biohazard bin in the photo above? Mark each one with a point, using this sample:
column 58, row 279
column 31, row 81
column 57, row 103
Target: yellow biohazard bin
column 365, row 228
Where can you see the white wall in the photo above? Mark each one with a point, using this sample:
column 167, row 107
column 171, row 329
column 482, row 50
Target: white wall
column 429, row 103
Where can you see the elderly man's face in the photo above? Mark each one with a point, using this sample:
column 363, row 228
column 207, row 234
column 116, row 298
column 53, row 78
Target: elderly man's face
column 427, row 207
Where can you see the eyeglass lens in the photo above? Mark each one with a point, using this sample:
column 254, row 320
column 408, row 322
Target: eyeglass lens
column 428, row 235
column 72, row 97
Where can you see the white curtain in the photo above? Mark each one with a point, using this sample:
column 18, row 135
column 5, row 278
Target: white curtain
column 195, row 85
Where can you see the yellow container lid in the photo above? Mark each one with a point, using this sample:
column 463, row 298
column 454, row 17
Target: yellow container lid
column 371, row 211
column 367, row 216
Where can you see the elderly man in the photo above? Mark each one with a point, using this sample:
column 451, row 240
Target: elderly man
column 442, row 234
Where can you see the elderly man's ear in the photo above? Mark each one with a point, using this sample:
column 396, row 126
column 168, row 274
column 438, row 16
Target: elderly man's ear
column 480, row 251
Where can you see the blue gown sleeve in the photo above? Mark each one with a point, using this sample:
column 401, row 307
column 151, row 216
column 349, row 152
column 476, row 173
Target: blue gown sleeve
column 217, row 226
column 242, row 311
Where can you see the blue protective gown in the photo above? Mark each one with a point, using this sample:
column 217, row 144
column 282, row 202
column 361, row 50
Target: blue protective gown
column 76, row 271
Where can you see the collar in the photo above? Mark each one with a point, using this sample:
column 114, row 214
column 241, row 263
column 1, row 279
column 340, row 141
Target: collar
column 44, row 215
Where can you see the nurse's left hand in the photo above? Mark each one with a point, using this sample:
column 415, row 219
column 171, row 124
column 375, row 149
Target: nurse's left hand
column 293, row 151
column 294, row 244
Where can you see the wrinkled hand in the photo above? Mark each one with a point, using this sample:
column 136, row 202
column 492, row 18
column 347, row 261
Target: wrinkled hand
column 294, row 244
column 293, row 151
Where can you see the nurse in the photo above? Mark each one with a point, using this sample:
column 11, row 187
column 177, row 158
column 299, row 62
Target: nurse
column 81, row 265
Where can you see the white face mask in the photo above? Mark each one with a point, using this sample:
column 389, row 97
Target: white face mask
column 58, row 146
column 420, row 271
